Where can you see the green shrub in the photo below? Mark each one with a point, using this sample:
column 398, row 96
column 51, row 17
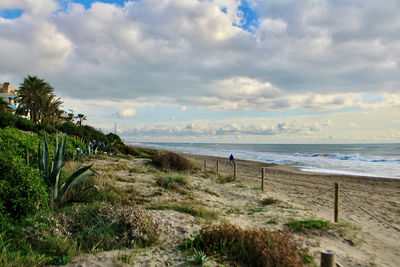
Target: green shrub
column 172, row 182
column 22, row 190
column 14, row 253
column 25, row 124
column 108, row 226
column 196, row 211
column 173, row 161
column 308, row 224
column 7, row 119
column 49, row 128
column 17, row 142
column 251, row 247
column 113, row 138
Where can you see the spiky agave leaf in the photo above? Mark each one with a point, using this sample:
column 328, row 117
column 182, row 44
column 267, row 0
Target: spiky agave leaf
column 44, row 160
column 58, row 161
column 75, row 179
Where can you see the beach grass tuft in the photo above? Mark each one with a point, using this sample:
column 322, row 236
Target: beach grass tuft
column 172, row 161
column 250, row 247
column 308, row 224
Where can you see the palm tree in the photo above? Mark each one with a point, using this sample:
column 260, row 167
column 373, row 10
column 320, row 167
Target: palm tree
column 36, row 98
column 70, row 115
column 81, row 117
column 49, row 109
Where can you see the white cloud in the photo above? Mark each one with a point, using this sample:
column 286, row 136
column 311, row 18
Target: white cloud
column 190, row 54
column 126, row 113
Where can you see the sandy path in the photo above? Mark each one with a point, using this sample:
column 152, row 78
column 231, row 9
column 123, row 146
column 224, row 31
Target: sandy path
column 371, row 244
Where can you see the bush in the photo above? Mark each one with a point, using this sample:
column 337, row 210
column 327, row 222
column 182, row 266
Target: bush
column 47, row 127
column 25, row 124
column 114, row 138
column 258, row 247
column 7, row 119
column 108, row 226
column 17, row 143
column 172, row 182
column 22, row 190
column 308, row 224
column 173, row 161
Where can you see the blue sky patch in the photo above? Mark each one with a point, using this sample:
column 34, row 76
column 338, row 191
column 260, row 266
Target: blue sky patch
column 11, row 13
column 250, row 18
column 88, row 3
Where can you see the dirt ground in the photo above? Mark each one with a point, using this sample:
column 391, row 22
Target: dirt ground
column 358, row 240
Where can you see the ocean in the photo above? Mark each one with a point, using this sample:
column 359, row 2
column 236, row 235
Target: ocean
column 373, row 160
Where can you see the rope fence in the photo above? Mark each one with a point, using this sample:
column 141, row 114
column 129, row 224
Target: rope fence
column 299, row 196
column 337, row 190
column 368, row 212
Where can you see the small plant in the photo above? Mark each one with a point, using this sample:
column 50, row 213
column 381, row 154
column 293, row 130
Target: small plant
column 136, row 169
column 222, row 179
column 52, row 171
column 234, row 211
column 308, row 224
column 268, row 201
column 199, row 257
column 240, row 184
column 254, row 210
column 126, row 258
column 196, row 211
column 172, row 182
column 273, row 221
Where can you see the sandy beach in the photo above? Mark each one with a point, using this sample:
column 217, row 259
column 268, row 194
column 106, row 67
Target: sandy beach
column 358, row 240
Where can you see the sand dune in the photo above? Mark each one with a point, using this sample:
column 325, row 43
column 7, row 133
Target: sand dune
column 360, row 240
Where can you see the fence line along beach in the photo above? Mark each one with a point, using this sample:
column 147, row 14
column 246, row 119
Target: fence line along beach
column 378, row 197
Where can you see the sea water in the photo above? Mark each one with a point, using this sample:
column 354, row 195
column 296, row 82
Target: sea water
column 374, row 160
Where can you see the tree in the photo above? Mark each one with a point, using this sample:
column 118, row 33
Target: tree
column 70, row 115
column 38, row 100
column 49, row 109
column 81, row 117
column 3, row 105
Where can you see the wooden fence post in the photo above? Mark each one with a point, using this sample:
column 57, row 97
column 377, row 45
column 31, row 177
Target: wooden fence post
column 217, row 166
column 262, row 178
column 234, row 170
column 328, row 258
column 205, row 166
column 337, row 189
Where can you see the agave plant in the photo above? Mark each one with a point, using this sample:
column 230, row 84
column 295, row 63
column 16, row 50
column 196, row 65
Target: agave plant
column 52, row 171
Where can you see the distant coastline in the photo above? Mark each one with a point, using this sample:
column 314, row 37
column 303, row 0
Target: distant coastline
column 369, row 160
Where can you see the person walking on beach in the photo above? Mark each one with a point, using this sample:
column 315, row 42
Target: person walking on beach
column 231, row 159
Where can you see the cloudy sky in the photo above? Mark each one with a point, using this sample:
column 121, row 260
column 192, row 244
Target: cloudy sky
column 258, row 71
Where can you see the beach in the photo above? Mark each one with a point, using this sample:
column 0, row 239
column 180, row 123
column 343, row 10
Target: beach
column 358, row 239
column 380, row 196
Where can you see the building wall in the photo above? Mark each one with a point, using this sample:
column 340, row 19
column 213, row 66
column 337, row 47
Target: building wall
column 9, row 93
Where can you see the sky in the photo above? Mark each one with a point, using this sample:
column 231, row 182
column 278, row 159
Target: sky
column 231, row 71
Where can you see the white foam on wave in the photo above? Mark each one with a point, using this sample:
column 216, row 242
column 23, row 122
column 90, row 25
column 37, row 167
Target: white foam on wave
column 332, row 163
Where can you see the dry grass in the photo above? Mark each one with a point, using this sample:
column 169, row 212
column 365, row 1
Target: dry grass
column 173, row 161
column 251, row 247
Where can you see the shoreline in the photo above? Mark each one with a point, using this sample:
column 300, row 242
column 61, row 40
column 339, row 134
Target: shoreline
column 372, row 241
column 337, row 162
column 276, row 166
